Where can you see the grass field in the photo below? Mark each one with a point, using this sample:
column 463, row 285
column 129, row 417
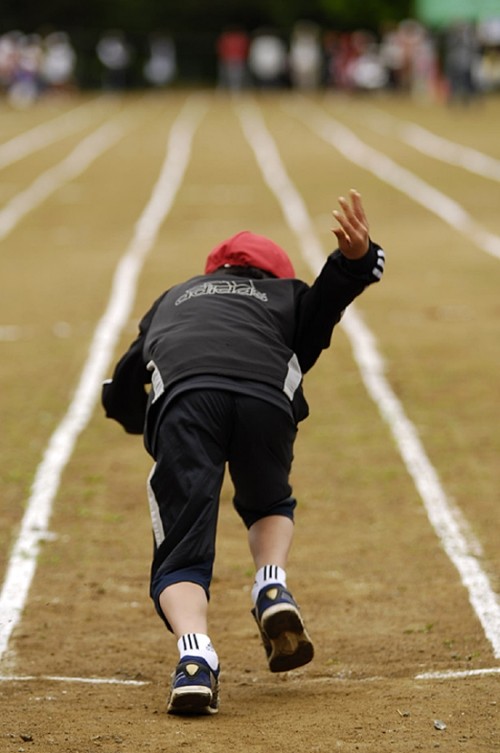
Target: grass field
column 105, row 202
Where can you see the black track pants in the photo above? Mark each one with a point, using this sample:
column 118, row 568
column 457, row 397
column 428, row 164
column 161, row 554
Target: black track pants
column 201, row 431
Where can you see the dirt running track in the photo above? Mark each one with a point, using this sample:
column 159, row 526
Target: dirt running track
column 399, row 644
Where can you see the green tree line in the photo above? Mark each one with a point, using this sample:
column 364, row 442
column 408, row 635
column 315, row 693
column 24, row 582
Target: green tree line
column 142, row 16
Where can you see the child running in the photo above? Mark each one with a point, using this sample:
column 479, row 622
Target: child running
column 214, row 379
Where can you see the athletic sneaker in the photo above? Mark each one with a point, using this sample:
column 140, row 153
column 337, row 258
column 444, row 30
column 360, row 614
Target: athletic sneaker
column 195, row 688
column 285, row 638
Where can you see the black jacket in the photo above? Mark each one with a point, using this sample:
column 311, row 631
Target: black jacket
column 269, row 331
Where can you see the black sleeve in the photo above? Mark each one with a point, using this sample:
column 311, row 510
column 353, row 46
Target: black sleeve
column 124, row 397
column 321, row 306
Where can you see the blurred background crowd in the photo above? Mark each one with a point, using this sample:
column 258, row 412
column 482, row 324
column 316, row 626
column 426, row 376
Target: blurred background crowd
column 458, row 61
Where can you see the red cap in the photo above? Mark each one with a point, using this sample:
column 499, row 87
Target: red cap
column 246, row 249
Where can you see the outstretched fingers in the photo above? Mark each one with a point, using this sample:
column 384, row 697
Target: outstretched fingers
column 353, row 232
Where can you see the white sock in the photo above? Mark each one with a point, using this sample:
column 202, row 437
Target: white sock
column 265, row 576
column 198, row 645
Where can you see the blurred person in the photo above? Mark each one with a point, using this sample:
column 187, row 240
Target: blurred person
column 392, row 56
column 305, row 57
column 488, row 70
column 409, row 34
column 330, row 52
column 26, row 83
column 425, row 67
column 224, row 355
column 232, row 54
column 461, row 55
column 9, row 57
column 161, row 67
column 115, row 55
column 488, row 64
column 343, row 62
column 59, row 62
column 366, row 70
column 268, row 59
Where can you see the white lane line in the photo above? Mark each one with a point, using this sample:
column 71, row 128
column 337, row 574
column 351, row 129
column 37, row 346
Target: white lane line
column 443, row 515
column 87, row 151
column 46, row 133
column 445, row 518
column 435, row 146
column 452, row 674
column 34, row 527
column 388, row 171
column 457, row 674
column 84, row 680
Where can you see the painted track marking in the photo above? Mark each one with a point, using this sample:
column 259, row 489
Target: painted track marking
column 46, row 133
column 84, row 680
column 433, row 145
column 452, row 674
column 49, row 181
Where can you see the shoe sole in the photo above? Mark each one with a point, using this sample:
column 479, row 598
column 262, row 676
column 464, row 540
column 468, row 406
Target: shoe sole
column 192, row 700
column 291, row 646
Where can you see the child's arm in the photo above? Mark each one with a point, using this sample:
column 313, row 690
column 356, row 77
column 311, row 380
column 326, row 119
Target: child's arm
column 124, row 397
column 357, row 263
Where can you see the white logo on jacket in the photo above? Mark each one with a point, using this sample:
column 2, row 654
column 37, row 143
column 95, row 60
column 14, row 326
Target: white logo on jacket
column 222, row 287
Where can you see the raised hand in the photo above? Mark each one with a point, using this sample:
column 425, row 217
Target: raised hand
column 353, row 232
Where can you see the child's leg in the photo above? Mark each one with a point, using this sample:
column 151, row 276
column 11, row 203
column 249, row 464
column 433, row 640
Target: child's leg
column 260, row 463
column 185, row 607
column 284, row 635
column 184, row 496
column 270, row 540
column 195, row 683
